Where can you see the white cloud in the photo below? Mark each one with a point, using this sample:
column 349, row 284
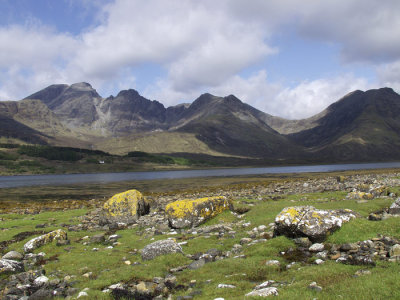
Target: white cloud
column 389, row 75
column 203, row 46
column 311, row 97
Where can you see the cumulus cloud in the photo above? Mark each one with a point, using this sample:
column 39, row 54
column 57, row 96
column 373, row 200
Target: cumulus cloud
column 204, row 46
column 389, row 75
column 311, row 97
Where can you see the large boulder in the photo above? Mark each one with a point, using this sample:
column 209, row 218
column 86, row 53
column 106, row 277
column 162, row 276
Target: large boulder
column 191, row 213
column 158, row 248
column 307, row 221
column 124, row 207
column 58, row 235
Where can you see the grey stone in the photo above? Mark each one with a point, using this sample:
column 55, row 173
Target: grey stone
column 303, row 242
column 197, row 264
column 313, row 286
column 317, row 247
column 394, row 209
column 160, row 248
column 265, row 292
column 41, row 294
column 394, row 251
column 13, row 255
column 10, row 266
column 264, row 285
column 226, row 286
column 98, row 238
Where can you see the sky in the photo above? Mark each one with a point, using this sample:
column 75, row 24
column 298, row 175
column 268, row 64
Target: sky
column 288, row 58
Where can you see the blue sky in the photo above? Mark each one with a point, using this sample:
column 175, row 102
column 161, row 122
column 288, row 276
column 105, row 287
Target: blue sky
column 290, row 58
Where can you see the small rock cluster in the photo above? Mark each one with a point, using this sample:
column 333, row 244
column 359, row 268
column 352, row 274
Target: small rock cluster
column 359, row 253
column 31, row 284
column 156, row 289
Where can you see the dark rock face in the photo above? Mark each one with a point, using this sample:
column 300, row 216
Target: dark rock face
column 75, row 103
column 360, row 118
column 133, row 113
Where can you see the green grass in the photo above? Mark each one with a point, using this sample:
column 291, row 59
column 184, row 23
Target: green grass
column 108, row 267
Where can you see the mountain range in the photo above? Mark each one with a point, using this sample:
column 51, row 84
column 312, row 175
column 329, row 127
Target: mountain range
column 361, row 126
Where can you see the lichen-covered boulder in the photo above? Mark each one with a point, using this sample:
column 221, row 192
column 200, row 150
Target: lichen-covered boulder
column 191, row 213
column 10, row 266
column 124, row 207
column 57, row 235
column 158, row 248
column 307, row 221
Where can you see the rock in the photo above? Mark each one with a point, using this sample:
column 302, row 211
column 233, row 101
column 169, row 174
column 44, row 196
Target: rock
column 315, row 287
column 317, row 247
column 13, row 255
column 36, row 242
column 145, row 290
column 374, row 217
column 362, row 273
column 160, row 248
column 349, row 247
column 226, row 286
column 191, row 213
column 197, row 264
column 40, row 281
column 98, row 238
column 394, row 251
column 244, row 241
column 124, row 207
column 264, row 285
column 273, row 262
column 319, row 261
column 82, row 294
column 41, row 294
column 303, row 242
column 360, row 195
column 394, row 209
column 10, row 266
column 269, row 291
column 316, row 224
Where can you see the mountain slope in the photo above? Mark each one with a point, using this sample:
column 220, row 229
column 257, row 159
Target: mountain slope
column 360, row 126
column 228, row 125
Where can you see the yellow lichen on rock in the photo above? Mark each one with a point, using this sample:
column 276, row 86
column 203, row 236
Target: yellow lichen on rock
column 185, row 213
column 123, row 203
column 125, row 207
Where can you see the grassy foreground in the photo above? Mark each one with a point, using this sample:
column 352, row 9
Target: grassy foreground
column 107, row 265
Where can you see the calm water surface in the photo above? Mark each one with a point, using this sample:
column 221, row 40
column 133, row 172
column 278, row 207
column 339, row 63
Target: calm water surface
column 32, row 180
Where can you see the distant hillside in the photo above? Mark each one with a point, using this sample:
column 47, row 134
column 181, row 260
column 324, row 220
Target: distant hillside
column 362, row 126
